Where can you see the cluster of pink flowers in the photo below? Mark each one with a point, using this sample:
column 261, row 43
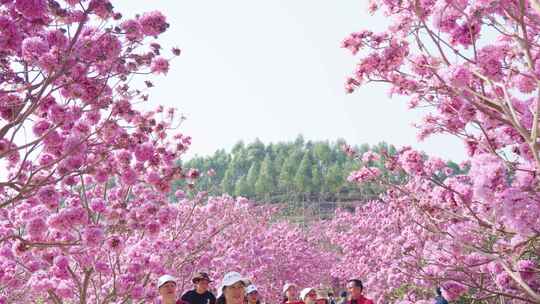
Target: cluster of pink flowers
column 364, row 175
column 67, row 187
column 153, row 23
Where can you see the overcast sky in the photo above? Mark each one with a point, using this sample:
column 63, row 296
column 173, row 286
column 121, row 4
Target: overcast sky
column 274, row 69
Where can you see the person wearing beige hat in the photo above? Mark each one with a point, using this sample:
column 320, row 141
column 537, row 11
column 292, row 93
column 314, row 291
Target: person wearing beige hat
column 308, row 295
column 166, row 285
column 201, row 294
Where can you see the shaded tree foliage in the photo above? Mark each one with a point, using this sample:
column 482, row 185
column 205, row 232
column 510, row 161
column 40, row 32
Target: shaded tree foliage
column 300, row 170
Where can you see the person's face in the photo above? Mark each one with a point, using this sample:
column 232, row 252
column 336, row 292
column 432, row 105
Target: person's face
column 354, row 290
column 291, row 293
column 252, row 297
column 167, row 290
column 202, row 285
column 234, row 294
column 311, row 297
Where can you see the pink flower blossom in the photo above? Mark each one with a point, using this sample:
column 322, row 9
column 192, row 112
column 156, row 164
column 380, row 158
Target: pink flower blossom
column 64, row 290
column 41, row 127
column 365, row 174
column 36, row 227
column 33, row 48
column 160, row 65
column 49, row 197
column 144, row 152
column 153, row 23
column 370, row 156
column 102, row 8
column 31, row 9
column 98, row 205
column 412, row 162
column 11, row 36
column 93, row 236
column 132, row 29
column 114, row 243
column 525, row 83
column 453, row 290
column 460, row 76
column 129, row 176
column 487, row 173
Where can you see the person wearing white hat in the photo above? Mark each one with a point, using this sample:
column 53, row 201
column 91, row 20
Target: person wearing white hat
column 232, row 289
column 167, row 290
column 290, row 293
column 308, row 295
column 252, row 295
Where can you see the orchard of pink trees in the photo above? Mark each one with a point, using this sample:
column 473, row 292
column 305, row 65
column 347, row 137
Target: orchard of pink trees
column 86, row 213
column 476, row 66
column 86, row 209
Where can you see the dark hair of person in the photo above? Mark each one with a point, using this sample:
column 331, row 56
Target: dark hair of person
column 357, row 283
column 221, row 299
column 285, row 299
column 246, row 301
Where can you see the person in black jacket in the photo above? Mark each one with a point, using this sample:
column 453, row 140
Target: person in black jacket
column 201, row 294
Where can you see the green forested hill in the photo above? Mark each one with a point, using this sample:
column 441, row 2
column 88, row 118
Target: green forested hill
column 285, row 171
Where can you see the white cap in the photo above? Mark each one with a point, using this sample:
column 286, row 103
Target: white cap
column 164, row 279
column 251, row 288
column 229, row 279
column 304, row 293
column 287, row 286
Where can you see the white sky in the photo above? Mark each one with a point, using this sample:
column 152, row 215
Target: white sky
column 274, row 69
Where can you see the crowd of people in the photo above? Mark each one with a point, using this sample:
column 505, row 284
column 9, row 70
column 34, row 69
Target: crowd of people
column 236, row 289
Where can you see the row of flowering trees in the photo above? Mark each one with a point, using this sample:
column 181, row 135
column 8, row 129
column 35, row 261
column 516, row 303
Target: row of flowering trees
column 86, row 213
column 475, row 65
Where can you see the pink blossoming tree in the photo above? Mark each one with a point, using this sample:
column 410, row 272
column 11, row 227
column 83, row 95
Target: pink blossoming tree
column 269, row 252
column 86, row 213
column 83, row 173
column 476, row 65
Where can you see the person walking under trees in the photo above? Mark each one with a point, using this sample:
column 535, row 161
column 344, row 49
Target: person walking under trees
column 201, row 294
column 290, row 293
column 232, row 289
column 167, row 290
column 308, row 295
column 252, row 295
column 355, row 288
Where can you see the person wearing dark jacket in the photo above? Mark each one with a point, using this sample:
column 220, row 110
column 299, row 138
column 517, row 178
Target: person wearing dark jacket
column 201, row 294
